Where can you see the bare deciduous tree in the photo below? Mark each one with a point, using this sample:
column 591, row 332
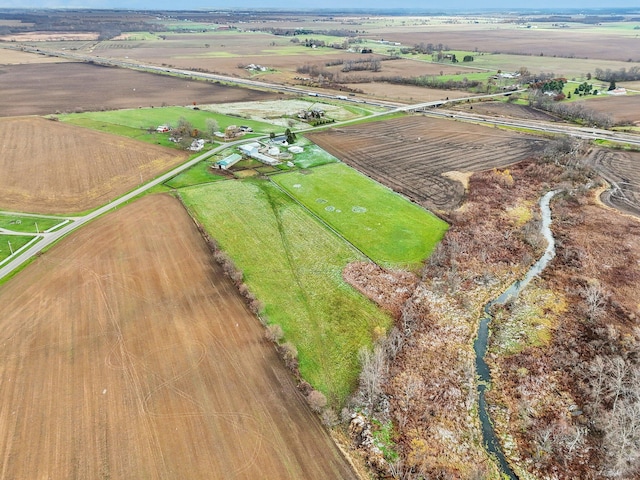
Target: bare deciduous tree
column 595, row 301
column 316, row 400
column 373, row 373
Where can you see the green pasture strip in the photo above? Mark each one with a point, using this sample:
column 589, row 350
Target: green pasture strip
column 312, row 156
column 616, row 145
column 294, row 265
column 479, row 76
column 387, row 227
column 27, row 224
column 16, row 241
column 141, row 119
column 200, row 173
column 359, row 121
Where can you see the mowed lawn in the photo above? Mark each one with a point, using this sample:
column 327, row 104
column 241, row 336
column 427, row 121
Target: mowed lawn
column 387, row 227
column 294, row 265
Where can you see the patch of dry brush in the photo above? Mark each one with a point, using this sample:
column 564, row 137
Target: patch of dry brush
column 542, row 384
column 574, row 404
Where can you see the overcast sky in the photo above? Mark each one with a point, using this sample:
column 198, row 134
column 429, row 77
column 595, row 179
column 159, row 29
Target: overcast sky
column 308, row 4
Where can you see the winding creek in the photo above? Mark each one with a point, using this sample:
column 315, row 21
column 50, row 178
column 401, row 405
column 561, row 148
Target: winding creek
column 491, row 441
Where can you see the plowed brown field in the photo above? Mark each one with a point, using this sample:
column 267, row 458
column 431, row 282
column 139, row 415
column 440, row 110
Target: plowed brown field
column 51, row 167
column 66, row 87
column 411, row 154
column 622, row 171
column 503, row 38
column 624, row 109
column 126, row 354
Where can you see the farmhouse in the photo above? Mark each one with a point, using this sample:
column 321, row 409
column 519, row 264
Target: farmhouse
column 232, row 131
column 197, row 145
column 229, row 161
column 279, row 140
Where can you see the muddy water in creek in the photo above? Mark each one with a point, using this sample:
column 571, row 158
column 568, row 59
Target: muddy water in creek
column 480, row 345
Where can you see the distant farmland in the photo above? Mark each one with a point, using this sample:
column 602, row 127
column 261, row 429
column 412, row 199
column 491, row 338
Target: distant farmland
column 61, row 87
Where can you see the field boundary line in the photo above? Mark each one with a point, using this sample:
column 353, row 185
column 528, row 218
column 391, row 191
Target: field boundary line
column 321, row 220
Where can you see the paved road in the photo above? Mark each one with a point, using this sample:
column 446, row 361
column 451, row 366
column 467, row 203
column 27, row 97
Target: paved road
column 428, row 108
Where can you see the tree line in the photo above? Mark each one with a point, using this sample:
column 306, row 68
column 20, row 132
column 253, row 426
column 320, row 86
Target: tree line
column 621, row 75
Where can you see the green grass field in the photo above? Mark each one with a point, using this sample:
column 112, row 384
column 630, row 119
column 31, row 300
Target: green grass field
column 134, row 123
column 294, row 265
column 312, row 156
column 27, row 224
column 200, row 173
column 387, row 227
column 11, row 242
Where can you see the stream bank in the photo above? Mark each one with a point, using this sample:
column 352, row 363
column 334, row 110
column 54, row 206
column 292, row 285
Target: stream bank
column 483, row 374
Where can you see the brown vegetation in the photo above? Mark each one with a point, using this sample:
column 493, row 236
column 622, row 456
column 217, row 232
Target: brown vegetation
column 572, row 402
column 126, row 351
column 388, row 288
column 51, row 167
column 563, row 356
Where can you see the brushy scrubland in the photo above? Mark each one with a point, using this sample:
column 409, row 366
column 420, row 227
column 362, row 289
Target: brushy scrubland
column 564, row 356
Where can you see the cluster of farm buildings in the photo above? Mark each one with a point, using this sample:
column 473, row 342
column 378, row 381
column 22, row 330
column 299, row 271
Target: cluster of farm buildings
column 271, row 153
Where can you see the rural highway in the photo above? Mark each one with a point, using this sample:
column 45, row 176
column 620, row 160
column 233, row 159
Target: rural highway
column 48, row 238
column 428, row 108
column 424, row 107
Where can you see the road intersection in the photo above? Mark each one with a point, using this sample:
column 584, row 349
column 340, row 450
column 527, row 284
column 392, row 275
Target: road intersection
column 434, row 108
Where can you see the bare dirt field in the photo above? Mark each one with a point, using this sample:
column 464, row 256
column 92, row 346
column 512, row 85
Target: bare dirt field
column 48, row 37
column 624, row 109
column 405, row 93
column 13, row 57
column 411, row 154
column 502, row 109
column 622, row 170
column 128, row 354
column 522, row 41
column 228, row 53
column 50, row 167
column 67, row 87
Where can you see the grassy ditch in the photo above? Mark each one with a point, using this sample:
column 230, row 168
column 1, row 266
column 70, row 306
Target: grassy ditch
column 293, row 264
column 12, row 242
column 387, row 227
column 27, row 224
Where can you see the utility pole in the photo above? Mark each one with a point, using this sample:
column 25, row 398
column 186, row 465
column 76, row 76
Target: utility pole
column 10, row 248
